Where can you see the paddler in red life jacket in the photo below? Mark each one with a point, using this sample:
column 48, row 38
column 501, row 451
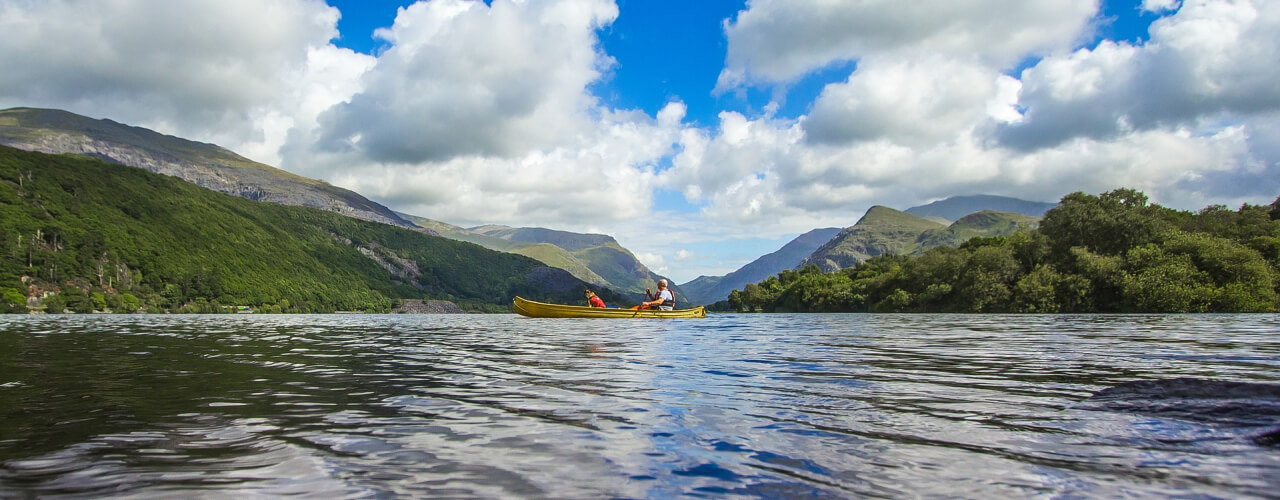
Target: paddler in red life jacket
column 664, row 300
column 593, row 300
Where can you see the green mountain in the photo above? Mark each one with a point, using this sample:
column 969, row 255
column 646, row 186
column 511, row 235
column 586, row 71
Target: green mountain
column 85, row 234
column 206, row 165
column 546, row 253
column 600, row 254
column 711, row 289
column 593, row 258
column 884, row 230
column 985, row 223
column 955, row 207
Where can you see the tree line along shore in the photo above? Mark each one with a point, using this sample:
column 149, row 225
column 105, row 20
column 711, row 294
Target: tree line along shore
column 1108, row 253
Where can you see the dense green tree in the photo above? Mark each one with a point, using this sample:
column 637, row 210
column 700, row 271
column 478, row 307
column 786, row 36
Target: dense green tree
column 1107, row 224
column 1164, row 281
column 129, row 303
column 1106, row 276
column 12, row 300
column 987, row 280
column 1037, row 291
column 56, row 304
column 933, row 275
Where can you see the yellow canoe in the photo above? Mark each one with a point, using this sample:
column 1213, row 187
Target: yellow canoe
column 541, row 310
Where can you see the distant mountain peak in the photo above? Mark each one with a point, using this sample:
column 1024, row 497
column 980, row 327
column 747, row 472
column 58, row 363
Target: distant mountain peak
column 887, row 231
column 880, row 215
column 710, row 289
column 955, row 207
column 563, row 239
column 597, row 259
column 989, row 218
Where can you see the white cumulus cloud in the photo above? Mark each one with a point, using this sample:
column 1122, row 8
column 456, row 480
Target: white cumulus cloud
column 1160, row 5
column 776, row 41
column 1204, row 63
column 228, row 71
column 908, row 101
column 462, row 78
column 481, row 113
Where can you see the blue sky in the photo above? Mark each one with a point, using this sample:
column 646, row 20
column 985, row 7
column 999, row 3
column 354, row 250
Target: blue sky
column 674, row 49
column 700, row 134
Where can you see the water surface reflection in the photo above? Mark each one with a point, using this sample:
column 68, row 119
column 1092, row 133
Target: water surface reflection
column 825, row 406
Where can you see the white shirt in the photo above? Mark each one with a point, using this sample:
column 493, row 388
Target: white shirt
column 666, row 295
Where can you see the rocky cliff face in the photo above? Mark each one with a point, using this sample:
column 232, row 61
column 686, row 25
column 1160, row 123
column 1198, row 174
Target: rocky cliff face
column 206, row 165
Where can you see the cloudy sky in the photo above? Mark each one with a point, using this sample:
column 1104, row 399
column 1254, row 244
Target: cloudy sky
column 701, row 134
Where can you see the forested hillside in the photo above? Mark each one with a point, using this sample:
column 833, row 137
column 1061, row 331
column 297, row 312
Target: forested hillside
column 1113, row 252
column 89, row 235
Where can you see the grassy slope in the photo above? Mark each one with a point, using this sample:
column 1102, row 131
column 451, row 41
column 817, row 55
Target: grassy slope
column 546, row 253
column 75, row 212
column 882, row 230
column 984, row 223
column 600, row 253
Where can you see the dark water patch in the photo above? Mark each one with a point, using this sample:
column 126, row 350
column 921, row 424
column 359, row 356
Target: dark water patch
column 1271, row 438
column 1250, row 409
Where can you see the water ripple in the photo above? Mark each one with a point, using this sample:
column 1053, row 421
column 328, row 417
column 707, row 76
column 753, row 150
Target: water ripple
column 774, row 406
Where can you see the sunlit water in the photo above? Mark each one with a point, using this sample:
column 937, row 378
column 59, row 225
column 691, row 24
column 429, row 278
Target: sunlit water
column 498, row 406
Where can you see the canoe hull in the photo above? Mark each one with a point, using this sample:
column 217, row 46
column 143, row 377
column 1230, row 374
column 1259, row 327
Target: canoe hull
column 534, row 309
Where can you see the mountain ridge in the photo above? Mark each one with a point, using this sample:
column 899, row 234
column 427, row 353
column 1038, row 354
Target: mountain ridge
column 597, row 259
column 955, row 207
column 710, row 289
column 207, row 165
column 883, row 230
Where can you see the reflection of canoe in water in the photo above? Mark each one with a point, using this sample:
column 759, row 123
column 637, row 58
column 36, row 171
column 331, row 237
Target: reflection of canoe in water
column 541, row 310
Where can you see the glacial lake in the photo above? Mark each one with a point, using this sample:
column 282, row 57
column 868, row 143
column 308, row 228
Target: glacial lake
column 747, row 406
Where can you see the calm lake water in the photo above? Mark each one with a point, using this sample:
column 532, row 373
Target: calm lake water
column 500, row 406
